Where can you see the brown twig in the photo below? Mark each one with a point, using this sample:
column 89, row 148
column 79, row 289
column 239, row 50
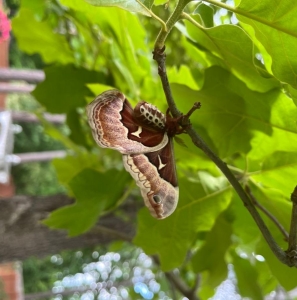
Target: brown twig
column 181, row 286
column 160, row 58
column 267, row 213
column 292, row 248
column 178, row 283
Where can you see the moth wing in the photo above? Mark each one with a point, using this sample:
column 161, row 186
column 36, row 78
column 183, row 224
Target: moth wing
column 155, row 175
column 110, row 117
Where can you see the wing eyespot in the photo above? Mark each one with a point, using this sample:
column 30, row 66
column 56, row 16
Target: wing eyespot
column 157, row 199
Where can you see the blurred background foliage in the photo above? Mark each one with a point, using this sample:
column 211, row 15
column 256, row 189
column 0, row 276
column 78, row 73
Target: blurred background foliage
column 248, row 92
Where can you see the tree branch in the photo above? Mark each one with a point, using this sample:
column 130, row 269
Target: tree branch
column 160, row 57
column 267, row 213
column 292, row 249
column 23, row 235
column 181, row 286
column 178, row 283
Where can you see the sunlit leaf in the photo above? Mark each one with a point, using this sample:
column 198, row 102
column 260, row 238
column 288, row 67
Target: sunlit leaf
column 226, row 41
column 275, row 28
column 130, row 5
column 211, row 256
column 38, row 37
column 206, row 12
column 198, row 207
column 286, row 276
column 237, row 119
column 246, row 275
column 279, row 172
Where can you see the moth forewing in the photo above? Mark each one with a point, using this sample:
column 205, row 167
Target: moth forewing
column 110, row 117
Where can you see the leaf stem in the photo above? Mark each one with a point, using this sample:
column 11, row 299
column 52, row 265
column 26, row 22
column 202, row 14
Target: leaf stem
column 190, row 19
column 160, row 57
column 164, row 27
column 175, row 16
column 251, row 16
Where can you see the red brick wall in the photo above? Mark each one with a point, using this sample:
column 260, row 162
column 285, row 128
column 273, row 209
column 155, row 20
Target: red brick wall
column 12, row 281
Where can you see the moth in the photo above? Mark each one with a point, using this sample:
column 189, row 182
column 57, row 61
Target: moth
column 144, row 135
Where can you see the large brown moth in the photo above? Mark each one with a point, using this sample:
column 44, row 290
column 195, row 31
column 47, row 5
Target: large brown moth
column 144, row 136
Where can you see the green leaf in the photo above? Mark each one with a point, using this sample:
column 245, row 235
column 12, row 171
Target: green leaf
column 266, row 280
column 125, row 45
column 279, row 172
column 160, row 2
column 247, row 278
column 286, row 276
column 198, row 207
column 277, row 205
column 244, row 226
column 93, row 191
column 206, row 12
column 36, row 6
column 65, row 88
column 275, row 28
column 226, row 41
column 211, row 256
column 71, row 165
column 189, row 158
column 130, row 5
column 56, row 133
column 292, row 93
column 182, row 76
column 237, row 119
column 97, row 89
column 78, row 134
column 38, row 37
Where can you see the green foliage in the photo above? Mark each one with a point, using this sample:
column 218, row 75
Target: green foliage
column 61, row 82
column 41, row 274
column 35, row 178
column 92, row 191
column 130, row 5
column 244, row 269
column 276, row 40
column 244, row 76
column 210, row 257
column 72, row 270
column 202, row 210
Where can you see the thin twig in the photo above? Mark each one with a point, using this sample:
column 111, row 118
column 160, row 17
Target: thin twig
column 159, row 56
column 267, row 213
column 175, row 16
column 196, row 285
column 178, row 283
column 151, row 13
column 181, row 286
column 292, row 249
